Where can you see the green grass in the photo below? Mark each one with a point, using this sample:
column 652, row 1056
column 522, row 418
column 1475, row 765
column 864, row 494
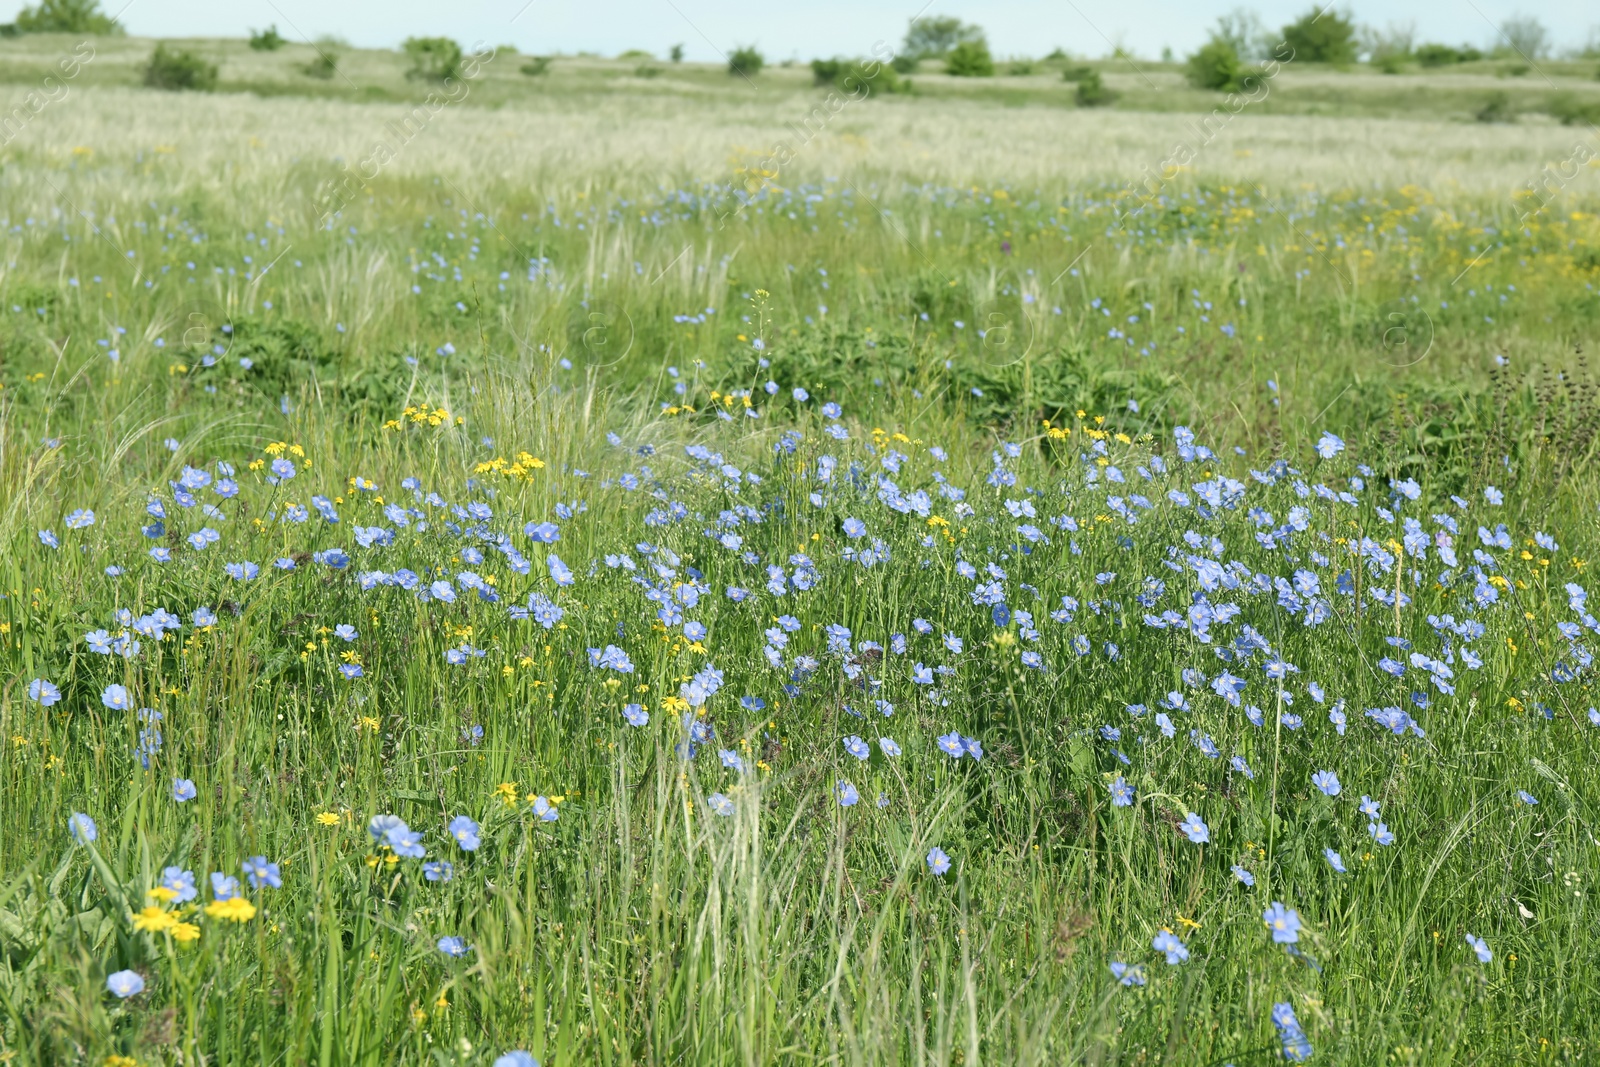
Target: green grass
column 640, row 926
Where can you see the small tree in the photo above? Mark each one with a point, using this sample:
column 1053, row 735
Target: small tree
column 171, row 69
column 746, row 61
column 933, row 37
column 677, row 53
column 1092, row 92
column 67, row 16
column 1243, row 29
column 433, row 58
column 266, row 40
column 1322, row 37
column 1524, row 36
column 1215, row 66
column 970, row 59
column 326, row 63
column 536, row 66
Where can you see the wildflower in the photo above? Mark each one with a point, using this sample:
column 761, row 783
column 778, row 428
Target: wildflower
column 516, row 1058
column 951, row 744
column 183, row 790
column 1369, row 807
column 1334, row 860
column 1243, row 875
column 1166, row 941
column 1121, row 792
column 1283, row 922
column 438, row 871
column 938, row 862
column 327, row 818
column 888, row 747
column 453, row 947
column 43, row 692
column 1481, row 948
column 720, row 804
column 544, row 810
column 1380, row 833
column 465, row 832
column 848, row 795
column 125, row 984
column 1296, row 1049
column 116, row 698
column 180, row 883
column 1327, row 782
column 1526, row 798
column 857, row 747
column 261, row 873
column 1195, row 830
column 636, row 715
column 1127, row 974
column 233, row 909
column 82, row 828
column 1329, row 445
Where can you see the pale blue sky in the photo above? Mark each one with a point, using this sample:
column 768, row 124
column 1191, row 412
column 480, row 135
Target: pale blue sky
column 709, row 28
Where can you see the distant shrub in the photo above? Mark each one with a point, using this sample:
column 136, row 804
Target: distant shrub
column 67, row 16
column 647, row 70
column 326, row 63
column 636, row 53
column 858, row 78
column 1076, row 74
column 432, row 58
column 537, row 65
column 1020, row 68
column 904, row 64
column 1215, row 66
column 1092, row 92
column 1321, row 37
column 746, row 61
column 970, row 59
column 1442, row 55
column 266, row 40
column 930, row 38
column 676, row 55
column 172, row 69
column 1498, row 108
column 1389, row 62
column 1571, row 111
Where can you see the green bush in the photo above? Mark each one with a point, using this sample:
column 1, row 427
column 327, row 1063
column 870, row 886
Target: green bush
column 676, row 54
column 1076, row 74
column 826, row 71
column 536, row 65
column 930, row 38
column 1438, row 55
column 1390, row 62
column 904, row 64
column 1215, row 66
column 647, row 70
column 970, row 59
column 67, row 16
column 172, row 69
column 746, row 61
column 266, row 40
column 1092, row 92
column 1571, row 111
column 1020, row 68
column 326, row 63
column 1321, row 37
column 433, row 58
column 1498, row 108
column 853, row 78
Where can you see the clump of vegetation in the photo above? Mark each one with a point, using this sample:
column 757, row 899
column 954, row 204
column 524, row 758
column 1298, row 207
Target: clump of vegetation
column 537, row 66
column 1215, row 66
column 970, row 59
column 1322, row 37
column 1498, row 108
column 1076, row 74
column 1571, row 111
column 326, row 63
column 1092, row 92
column 1523, row 37
column 67, row 16
column 179, row 69
column 858, row 78
column 746, row 61
column 1442, row 55
column 676, row 55
column 432, row 58
column 267, row 40
column 647, row 70
column 1020, row 68
column 936, row 38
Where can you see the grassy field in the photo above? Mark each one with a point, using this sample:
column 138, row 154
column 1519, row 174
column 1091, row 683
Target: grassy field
column 592, row 570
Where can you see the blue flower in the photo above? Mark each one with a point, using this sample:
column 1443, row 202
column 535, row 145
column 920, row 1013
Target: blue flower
column 848, row 795
column 1334, row 860
column 1283, row 922
column 636, row 715
column 1327, row 782
column 1195, row 830
column 1121, row 792
column 951, row 745
column 1296, row 1049
column 82, row 828
column 516, row 1058
column 857, row 747
column 453, row 947
column 345, row 632
column 116, row 698
column 223, row 886
column 560, row 573
column 125, row 984
column 465, row 832
column 938, row 862
column 1243, row 875
column 438, row 871
column 1380, row 833
column 1480, row 947
column 545, row 810
column 180, row 882
column 183, row 790
column 261, row 873
column 1127, row 974
column 720, row 804
column 43, row 692
column 1166, row 941
column 888, row 747
column 1526, row 798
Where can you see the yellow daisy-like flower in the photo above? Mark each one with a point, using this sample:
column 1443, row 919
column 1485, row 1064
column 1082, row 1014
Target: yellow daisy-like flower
column 185, row 933
column 234, row 909
column 327, row 818
column 154, row 920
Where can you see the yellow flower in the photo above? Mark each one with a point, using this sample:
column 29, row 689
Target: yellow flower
column 327, row 818
column 162, row 894
column 114, row 1060
column 234, row 909
column 185, row 933
column 154, row 919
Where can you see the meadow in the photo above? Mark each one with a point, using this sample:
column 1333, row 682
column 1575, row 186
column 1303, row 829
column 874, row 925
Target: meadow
column 581, row 590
